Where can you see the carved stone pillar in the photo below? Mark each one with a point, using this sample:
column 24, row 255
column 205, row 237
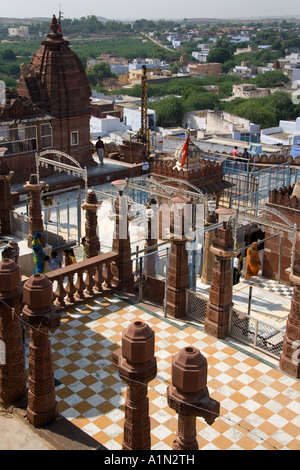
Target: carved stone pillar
column 220, row 296
column 92, row 242
column 39, row 312
column 6, row 204
column 188, row 396
column 290, row 356
column 12, row 371
column 35, row 209
column 122, row 267
column 137, row 367
column 178, row 279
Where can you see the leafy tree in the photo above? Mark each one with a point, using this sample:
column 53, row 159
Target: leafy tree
column 169, row 111
column 98, row 73
column 257, row 114
column 271, row 79
column 283, row 106
column 8, row 54
column 220, row 55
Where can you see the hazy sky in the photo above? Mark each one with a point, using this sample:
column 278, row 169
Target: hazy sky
column 136, row 9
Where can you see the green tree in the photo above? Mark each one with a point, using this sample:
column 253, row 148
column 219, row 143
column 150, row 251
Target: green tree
column 220, row 55
column 271, row 79
column 8, row 54
column 98, row 73
column 169, row 111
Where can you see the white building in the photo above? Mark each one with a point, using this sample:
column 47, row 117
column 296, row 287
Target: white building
column 22, row 31
column 287, row 133
column 201, row 56
column 104, row 126
column 132, row 118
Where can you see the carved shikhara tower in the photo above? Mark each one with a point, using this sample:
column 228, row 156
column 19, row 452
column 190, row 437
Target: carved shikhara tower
column 56, row 82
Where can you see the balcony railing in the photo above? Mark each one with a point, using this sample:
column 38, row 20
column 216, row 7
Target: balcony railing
column 82, row 280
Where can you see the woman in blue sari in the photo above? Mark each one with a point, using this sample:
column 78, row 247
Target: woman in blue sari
column 38, row 254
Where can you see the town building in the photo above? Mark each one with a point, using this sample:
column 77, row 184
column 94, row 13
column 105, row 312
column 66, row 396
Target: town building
column 246, row 90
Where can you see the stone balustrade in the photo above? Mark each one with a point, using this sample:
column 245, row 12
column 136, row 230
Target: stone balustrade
column 283, row 196
column 83, row 279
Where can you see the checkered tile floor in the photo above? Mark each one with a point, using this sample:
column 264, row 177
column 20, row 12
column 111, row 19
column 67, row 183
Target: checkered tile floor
column 260, row 406
column 272, row 286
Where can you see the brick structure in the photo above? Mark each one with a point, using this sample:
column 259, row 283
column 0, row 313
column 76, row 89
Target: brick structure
column 12, row 372
column 6, row 204
column 290, row 356
column 35, row 209
column 39, row 313
column 56, row 82
column 137, row 367
column 188, row 396
column 178, row 269
column 92, row 242
column 220, row 296
column 178, row 279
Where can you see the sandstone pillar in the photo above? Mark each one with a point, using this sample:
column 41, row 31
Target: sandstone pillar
column 220, row 296
column 290, row 356
column 178, row 279
column 35, row 209
column 189, row 397
column 137, row 367
column 12, row 369
column 6, row 204
column 122, row 267
column 39, row 312
column 92, row 242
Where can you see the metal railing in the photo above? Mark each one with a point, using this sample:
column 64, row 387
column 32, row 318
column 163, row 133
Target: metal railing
column 243, row 327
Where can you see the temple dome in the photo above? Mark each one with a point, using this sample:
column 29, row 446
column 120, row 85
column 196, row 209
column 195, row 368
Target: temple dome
column 192, row 158
column 55, row 78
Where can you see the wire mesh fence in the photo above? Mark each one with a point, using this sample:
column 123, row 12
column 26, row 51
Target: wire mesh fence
column 242, row 327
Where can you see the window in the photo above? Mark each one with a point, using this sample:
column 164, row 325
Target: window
column 74, row 138
column 46, row 136
column 18, row 139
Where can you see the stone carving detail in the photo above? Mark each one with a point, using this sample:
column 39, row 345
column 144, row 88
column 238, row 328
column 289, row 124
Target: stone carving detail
column 188, row 396
column 137, row 366
column 40, row 314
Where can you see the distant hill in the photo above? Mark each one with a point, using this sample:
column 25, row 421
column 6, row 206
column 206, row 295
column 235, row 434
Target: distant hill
column 36, row 20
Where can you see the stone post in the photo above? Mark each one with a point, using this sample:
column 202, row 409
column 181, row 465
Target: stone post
column 35, row 209
column 92, row 242
column 137, row 367
column 39, row 313
column 122, row 268
column 178, row 269
column 290, row 356
column 220, row 296
column 6, row 204
column 12, row 369
column 178, row 279
column 188, row 396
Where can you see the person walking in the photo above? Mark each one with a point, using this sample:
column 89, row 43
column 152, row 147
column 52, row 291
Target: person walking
column 100, row 150
column 47, row 201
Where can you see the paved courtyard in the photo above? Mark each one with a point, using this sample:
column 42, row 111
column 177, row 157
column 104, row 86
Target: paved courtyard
column 260, row 405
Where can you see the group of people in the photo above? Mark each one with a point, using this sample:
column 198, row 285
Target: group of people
column 244, row 156
column 43, row 262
